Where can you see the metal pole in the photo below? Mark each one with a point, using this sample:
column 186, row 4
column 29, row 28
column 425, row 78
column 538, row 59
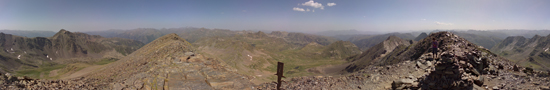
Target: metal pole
column 279, row 74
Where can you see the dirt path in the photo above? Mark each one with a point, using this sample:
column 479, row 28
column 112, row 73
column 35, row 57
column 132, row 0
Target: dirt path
column 83, row 71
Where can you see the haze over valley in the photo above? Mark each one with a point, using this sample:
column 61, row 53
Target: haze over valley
column 237, row 45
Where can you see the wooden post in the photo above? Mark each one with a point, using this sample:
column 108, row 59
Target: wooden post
column 279, row 74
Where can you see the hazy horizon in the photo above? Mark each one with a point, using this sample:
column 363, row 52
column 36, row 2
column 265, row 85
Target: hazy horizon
column 296, row 15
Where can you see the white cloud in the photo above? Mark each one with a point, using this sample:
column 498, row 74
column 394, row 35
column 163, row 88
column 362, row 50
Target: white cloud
column 298, row 9
column 307, row 10
column 442, row 23
column 423, row 19
column 313, row 4
column 331, row 4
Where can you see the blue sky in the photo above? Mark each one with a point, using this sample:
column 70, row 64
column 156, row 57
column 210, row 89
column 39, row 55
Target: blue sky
column 287, row 15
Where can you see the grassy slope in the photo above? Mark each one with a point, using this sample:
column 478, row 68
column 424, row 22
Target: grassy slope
column 235, row 49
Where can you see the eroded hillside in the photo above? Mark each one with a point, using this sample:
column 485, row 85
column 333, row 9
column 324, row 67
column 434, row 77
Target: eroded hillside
column 20, row 53
column 461, row 65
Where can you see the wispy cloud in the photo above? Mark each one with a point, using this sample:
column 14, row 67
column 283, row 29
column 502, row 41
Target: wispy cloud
column 298, row 9
column 313, row 4
column 423, row 19
column 331, row 4
column 442, row 23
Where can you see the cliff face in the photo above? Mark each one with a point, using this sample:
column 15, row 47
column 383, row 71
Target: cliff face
column 532, row 52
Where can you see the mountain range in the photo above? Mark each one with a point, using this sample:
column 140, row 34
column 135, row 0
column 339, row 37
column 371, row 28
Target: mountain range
column 200, row 58
column 20, row 53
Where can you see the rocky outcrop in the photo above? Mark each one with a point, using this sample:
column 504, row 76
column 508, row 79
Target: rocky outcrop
column 169, row 62
column 9, row 82
column 374, row 54
column 460, row 65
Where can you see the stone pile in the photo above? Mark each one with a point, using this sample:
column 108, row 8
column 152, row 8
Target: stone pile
column 318, row 83
column 9, row 82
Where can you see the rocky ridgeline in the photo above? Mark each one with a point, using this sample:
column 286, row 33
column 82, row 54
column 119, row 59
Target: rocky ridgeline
column 318, row 83
column 461, row 65
column 9, row 82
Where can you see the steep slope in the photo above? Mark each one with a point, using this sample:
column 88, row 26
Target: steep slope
column 169, row 62
column 461, row 66
column 27, row 53
column 368, row 41
column 532, row 52
column 341, row 50
column 372, row 55
column 421, row 36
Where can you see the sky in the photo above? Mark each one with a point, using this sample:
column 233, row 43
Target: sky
column 284, row 15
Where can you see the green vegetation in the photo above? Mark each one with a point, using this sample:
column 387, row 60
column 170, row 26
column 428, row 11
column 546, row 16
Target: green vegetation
column 35, row 73
column 297, row 55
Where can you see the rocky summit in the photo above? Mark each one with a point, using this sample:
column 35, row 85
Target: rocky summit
column 168, row 62
column 460, row 65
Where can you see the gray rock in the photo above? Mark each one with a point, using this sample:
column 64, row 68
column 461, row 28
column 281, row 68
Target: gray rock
column 189, row 54
column 479, row 81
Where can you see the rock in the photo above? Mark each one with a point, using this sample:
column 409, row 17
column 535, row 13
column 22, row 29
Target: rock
column 544, row 88
column 495, row 88
column 516, row 68
column 401, row 84
column 429, row 63
column 189, row 54
column 475, row 72
column 117, row 86
column 479, row 81
column 420, row 65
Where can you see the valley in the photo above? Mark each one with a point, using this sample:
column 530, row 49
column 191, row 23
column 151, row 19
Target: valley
column 252, row 56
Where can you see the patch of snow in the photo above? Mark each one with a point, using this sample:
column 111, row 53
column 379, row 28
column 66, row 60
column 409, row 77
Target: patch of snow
column 47, row 56
column 11, row 49
column 545, row 49
column 50, row 59
column 25, row 52
column 19, row 57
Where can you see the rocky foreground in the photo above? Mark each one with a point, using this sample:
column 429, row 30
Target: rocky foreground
column 461, row 65
column 169, row 63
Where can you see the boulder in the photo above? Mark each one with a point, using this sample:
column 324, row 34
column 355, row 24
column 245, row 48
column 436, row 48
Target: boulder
column 479, row 81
